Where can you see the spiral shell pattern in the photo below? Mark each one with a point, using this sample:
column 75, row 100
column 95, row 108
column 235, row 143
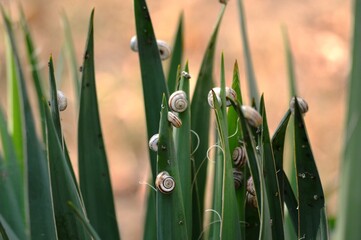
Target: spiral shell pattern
column 174, row 120
column 238, row 178
column 62, row 101
column 164, row 182
column 178, row 101
column 239, row 157
column 153, row 142
column 301, row 102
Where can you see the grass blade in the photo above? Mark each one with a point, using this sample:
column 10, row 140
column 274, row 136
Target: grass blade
column 349, row 195
column 94, row 175
column 176, row 56
column 6, row 232
column 40, row 202
column 251, row 78
column 271, row 180
column 13, row 206
column 171, row 218
column 290, row 64
column 311, row 202
column 200, row 124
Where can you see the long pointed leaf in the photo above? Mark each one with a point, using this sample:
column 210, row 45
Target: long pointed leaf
column 94, row 175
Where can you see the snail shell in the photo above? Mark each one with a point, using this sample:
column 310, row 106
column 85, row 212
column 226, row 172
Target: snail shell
column 134, row 44
column 164, row 49
column 251, row 200
column 174, row 120
column 250, row 187
column 62, row 101
column 252, row 116
column 153, row 142
column 230, row 95
column 178, row 101
column 186, row 75
column 301, row 102
column 164, row 182
column 238, row 178
column 239, row 157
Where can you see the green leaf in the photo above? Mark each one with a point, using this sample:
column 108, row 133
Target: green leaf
column 94, row 175
column 271, row 180
column 34, row 64
column 177, row 55
column 200, row 125
column 63, row 186
column 171, row 216
column 40, row 200
column 182, row 141
column 251, row 78
column 290, row 64
column 311, row 202
column 6, row 232
column 12, row 202
column 350, row 177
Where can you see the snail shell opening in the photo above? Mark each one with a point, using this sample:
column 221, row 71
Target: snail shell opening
column 164, row 49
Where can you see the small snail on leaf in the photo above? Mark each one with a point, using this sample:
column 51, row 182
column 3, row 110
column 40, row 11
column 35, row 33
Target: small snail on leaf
column 301, row 102
column 164, row 182
column 62, row 101
column 230, row 95
column 153, row 142
column 238, row 178
column 163, row 47
column 174, row 120
column 239, row 157
column 252, row 116
column 178, row 101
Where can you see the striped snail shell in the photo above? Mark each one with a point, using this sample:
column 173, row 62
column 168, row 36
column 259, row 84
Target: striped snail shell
column 174, row 120
column 164, row 182
column 62, row 101
column 178, row 101
column 239, row 157
column 153, row 142
column 252, row 116
column 238, row 178
column 301, row 102
column 164, row 49
column 230, row 95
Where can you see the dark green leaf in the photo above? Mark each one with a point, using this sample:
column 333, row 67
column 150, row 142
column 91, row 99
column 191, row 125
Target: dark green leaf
column 94, row 175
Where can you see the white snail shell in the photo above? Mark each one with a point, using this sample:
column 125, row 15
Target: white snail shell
column 164, row 182
column 153, row 142
column 239, row 157
column 163, row 47
column 134, row 44
column 252, row 116
column 230, row 95
column 301, row 102
column 186, row 75
column 62, row 101
column 174, row 120
column 178, row 101
column 238, row 178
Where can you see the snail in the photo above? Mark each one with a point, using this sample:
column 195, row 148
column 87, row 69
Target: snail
column 239, row 157
column 153, row 142
column 250, row 187
column 251, row 200
column 238, row 178
column 186, row 75
column 62, row 101
column 252, row 116
column 230, row 95
column 163, row 47
column 301, row 102
column 174, row 120
column 164, row 182
column 178, row 101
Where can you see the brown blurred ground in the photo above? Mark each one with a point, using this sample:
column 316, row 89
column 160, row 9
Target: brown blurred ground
column 319, row 33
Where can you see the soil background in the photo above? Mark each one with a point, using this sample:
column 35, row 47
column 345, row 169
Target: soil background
column 319, row 32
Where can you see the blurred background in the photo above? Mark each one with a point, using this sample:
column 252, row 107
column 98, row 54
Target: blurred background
column 320, row 39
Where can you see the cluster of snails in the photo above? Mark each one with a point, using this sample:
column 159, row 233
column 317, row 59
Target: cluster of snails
column 163, row 47
column 301, row 102
column 177, row 103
